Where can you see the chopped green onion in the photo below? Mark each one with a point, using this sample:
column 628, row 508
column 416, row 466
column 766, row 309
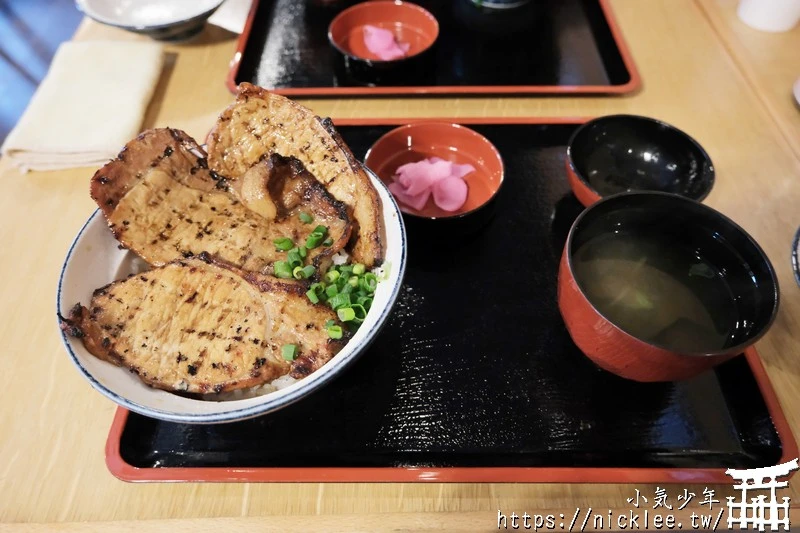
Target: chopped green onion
column 322, row 230
column 293, row 258
column 314, row 240
column 289, row 351
column 340, row 300
column 350, row 291
column 369, row 282
column 297, row 273
column 360, row 312
column 312, row 296
column 308, row 271
column 327, row 242
column 330, row 323
column 303, row 251
column 282, row 269
column 318, row 288
column 283, row 244
column 335, row 332
column 346, row 314
column 305, row 218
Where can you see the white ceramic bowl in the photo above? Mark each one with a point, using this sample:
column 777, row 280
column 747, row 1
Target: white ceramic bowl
column 166, row 20
column 94, row 260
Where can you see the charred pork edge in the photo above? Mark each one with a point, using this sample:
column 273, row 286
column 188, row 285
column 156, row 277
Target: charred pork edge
column 376, row 238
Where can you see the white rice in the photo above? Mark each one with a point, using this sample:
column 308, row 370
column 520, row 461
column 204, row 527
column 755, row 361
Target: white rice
column 253, row 392
column 340, row 258
column 380, row 273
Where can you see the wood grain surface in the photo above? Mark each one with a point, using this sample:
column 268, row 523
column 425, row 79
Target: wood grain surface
column 770, row 63
column 701, row 71
column 452, row 522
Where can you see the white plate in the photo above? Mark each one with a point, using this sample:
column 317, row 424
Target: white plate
column 94, row 260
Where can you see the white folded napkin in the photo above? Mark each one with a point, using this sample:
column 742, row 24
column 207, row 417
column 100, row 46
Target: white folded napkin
column 91, row 103
column 232, row 15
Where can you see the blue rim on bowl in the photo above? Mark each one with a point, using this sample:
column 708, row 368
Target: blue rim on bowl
column 795, row 259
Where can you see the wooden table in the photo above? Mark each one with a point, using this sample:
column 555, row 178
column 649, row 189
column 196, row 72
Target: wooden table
column 702, row 70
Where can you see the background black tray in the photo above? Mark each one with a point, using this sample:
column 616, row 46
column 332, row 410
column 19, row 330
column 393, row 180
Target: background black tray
column 570, row 46
column 475, row 366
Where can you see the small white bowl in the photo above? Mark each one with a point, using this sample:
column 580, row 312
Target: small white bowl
column 94, row 260
column 164, row 20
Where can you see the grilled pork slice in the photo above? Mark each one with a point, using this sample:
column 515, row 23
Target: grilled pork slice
column 162, row 202
column 201, row 326
column 260, row 122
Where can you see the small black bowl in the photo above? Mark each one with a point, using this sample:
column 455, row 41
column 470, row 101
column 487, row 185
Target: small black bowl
column 499, row 19
column 619, row 153
column 409, row 22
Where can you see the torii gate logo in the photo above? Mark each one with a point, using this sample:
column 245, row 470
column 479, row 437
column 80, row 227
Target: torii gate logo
column 759, row 512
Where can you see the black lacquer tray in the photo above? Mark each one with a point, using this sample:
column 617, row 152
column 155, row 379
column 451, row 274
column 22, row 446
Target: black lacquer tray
column 475, row 378
column 563, row 46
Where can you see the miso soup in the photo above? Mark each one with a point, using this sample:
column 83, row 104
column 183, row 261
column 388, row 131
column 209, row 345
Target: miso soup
column 658, row 288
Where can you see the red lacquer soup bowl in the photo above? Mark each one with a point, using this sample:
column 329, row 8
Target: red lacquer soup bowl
column 657, row 287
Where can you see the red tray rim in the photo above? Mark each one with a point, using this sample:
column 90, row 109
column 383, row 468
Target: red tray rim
column 632, row 85
column 127, row 472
